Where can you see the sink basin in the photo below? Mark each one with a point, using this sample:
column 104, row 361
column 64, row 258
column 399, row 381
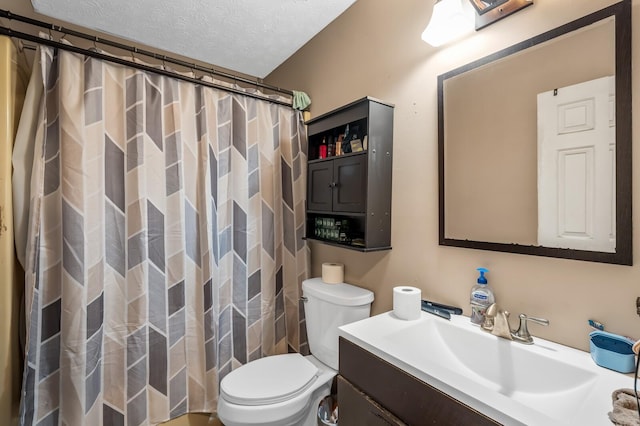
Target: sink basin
column 541, row 384
column 507, row 367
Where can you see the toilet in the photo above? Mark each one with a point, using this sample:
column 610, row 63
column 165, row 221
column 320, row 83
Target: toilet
column 286, row 389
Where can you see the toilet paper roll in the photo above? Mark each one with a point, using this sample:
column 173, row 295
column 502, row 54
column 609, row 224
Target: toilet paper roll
column 407, row 302
column 332, row 273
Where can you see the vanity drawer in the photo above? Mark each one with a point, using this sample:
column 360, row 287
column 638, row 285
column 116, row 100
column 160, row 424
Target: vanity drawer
column 411, row 400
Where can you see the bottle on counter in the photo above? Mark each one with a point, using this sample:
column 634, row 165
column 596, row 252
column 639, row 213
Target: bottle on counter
column 481, row 298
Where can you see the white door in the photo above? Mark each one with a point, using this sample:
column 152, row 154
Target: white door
column 576, row 166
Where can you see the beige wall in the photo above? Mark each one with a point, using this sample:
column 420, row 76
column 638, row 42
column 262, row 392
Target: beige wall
column 375, row 49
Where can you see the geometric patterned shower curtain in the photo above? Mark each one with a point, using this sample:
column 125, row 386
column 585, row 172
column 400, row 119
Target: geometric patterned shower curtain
column 165, row 244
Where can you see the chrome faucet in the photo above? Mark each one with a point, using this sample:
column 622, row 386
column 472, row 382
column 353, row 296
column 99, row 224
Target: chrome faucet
column 522, row 334
column 497, row 323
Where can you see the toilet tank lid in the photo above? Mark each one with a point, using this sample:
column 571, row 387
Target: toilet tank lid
column 340, row 294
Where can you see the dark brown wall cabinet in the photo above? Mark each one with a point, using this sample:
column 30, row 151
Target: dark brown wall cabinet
column 371, row 391
column 349, row 176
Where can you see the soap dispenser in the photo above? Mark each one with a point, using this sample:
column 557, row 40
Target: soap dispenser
column 481, row 298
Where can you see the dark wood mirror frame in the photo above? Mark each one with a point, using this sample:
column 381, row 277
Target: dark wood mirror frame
column 487, row 15
column 624, row 235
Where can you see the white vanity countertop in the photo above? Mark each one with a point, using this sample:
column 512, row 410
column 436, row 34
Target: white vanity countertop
column 541, row 384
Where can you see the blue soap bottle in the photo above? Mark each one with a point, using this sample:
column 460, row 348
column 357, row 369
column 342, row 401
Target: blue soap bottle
column 481, row 298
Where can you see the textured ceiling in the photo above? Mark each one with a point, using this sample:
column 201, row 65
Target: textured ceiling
column 248, row 36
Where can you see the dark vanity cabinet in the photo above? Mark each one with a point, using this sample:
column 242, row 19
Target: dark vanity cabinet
column 372, row 391
column 349, row 176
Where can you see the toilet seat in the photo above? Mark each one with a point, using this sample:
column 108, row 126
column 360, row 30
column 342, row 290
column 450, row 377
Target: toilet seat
column 269, row 380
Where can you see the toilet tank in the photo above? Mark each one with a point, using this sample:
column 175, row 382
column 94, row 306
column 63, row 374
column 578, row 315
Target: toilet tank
column 327, row 307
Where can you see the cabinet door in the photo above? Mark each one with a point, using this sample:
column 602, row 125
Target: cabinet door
column 350, row 192
column 320, row 186
column 357, row 409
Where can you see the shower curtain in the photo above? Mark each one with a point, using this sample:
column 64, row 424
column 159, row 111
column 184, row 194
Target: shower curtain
column 164, row 242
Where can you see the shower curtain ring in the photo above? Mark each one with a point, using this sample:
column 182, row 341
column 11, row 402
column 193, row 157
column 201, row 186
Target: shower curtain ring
column 58, row 29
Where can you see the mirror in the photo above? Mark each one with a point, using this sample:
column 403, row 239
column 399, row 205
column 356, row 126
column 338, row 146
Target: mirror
column 522, row 168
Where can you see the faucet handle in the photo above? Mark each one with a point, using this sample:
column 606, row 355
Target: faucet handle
column 522, row 334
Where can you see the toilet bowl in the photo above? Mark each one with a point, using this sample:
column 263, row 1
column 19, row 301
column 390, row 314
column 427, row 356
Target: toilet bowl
column 288, row 393
column 282, row 390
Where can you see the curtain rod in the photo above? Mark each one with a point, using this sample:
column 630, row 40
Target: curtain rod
column 134, row 50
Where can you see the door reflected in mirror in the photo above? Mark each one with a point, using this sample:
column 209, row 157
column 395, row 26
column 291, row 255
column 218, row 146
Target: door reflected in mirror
column 576, row 165
column 535, row 143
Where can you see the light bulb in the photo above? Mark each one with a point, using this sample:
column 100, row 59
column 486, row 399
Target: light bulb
column 449, row 21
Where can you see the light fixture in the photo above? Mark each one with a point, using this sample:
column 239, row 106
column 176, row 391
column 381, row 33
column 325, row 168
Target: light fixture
column 450, row 20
